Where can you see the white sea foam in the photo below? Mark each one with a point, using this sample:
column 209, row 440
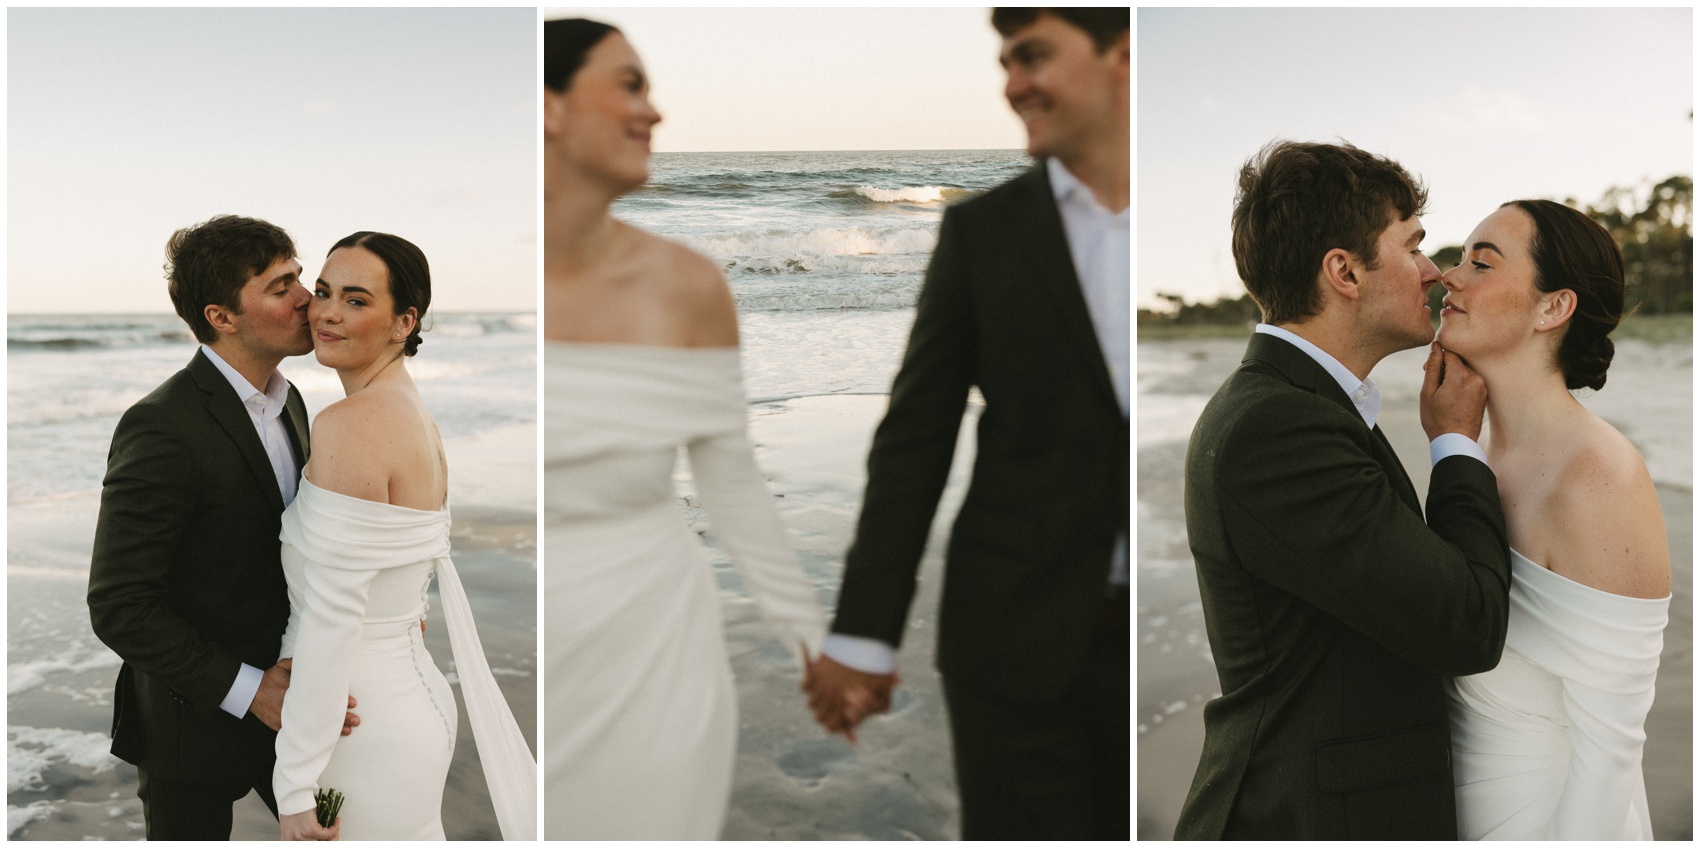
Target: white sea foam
column 28, row 675
column 909, row 194
column 30, row 750
column 18, row 817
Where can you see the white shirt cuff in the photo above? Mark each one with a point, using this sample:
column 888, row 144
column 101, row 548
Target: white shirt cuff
column 241, row 695
column 1453, row 444
column 869, row 656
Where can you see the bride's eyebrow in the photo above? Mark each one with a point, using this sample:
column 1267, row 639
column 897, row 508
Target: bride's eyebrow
column 361, row 289
column 1488, row 245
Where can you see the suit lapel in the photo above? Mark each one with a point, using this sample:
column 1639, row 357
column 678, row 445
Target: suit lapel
column 1053, row 266
column 1306, row 373
column 296, row 411
column 227, row 409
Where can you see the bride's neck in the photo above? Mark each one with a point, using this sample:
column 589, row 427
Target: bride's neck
column 1527, row 401
column 354, row 380
column 578, row 227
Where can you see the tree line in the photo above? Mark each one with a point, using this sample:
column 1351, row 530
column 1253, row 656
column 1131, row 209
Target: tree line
column 1654, row 226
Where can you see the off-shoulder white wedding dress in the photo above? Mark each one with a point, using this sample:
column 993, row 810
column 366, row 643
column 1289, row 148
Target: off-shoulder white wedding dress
column 1547, row 745
column 641, row 719
column 358, row 572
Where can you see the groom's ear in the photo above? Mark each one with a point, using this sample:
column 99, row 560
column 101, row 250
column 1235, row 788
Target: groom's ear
column 219, row 318
column 1339, row 272
column 1556, row 309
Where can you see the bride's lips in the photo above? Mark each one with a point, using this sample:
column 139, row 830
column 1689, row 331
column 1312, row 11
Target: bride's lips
column 326, row 336
column 1446, row 308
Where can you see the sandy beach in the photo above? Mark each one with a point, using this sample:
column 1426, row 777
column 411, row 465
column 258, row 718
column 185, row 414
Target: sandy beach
column 1648, row 396
column 792, row 780
column 61, row 782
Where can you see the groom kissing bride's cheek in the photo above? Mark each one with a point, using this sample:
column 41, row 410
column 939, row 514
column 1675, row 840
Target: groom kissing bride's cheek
column 1369, row 685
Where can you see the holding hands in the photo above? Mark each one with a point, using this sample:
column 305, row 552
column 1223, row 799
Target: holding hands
column 841, row 697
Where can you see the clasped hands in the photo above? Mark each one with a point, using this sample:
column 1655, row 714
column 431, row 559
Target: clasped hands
column 841, row 697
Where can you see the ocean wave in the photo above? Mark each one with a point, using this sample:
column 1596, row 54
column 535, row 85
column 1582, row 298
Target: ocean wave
column 804, row 298
column 908, row 194
column 21, row 676
column 31, row 750
column 807, row 264
column 827, row 241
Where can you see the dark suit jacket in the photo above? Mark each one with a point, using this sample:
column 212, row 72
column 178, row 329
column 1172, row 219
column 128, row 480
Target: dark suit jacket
column 1334, row 612
column 1029, row 556
column 185, row 584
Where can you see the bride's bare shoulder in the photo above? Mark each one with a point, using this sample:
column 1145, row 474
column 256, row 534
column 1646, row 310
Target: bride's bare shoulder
column 1609, row 527
column 351, row 443
column 699, row 288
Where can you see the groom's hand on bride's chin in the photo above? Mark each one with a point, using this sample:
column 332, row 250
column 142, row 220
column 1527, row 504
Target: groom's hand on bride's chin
column 1453, row 396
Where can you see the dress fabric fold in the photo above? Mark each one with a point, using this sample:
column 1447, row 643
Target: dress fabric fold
column 1548, row 744
column 641, row 719
column 358, row 573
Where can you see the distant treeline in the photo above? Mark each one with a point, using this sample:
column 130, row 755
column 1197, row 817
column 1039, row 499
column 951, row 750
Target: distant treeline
column 1654, row 227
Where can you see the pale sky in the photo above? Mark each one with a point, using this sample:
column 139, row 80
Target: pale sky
column 126, row 124
column 820, row 79
column 1484, row 105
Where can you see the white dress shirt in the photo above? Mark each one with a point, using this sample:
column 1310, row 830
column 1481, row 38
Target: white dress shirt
column 1099, row 245
column 1367, row 398
column 265, row 411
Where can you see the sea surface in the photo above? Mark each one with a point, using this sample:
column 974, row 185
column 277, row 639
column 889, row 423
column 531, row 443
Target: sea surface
column 69, row 378
column 825, row 251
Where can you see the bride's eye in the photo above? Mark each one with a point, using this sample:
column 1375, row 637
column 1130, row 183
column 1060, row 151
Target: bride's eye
column 1480, row 266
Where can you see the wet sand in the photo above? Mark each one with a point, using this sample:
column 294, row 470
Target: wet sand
column 792, row 780
column 1648, row 396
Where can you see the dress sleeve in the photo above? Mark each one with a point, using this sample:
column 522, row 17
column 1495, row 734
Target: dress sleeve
column 1604, row 783
column 741, row 512
column 333, row 605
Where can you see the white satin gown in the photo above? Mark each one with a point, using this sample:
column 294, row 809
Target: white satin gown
column 358, row 572
column 641, row 718
column 1547, row 745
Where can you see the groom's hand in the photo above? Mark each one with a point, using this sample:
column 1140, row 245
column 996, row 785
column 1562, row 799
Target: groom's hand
column 274, row 685
column 841, row 697
column 1453, row 396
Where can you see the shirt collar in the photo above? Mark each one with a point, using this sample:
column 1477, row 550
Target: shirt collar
column 1363, row 393
column 1067, row 188
column 277, row 388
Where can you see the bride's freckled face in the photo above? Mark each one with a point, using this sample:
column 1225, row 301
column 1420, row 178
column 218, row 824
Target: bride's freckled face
column 352, row 312
column 1491, row 300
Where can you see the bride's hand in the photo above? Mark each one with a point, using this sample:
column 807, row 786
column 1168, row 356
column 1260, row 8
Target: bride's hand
column 304, row 826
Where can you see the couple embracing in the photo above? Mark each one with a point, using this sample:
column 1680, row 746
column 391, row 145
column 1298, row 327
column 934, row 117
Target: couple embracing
column 1025, row 297
column 265, row 589
column 1481, row 670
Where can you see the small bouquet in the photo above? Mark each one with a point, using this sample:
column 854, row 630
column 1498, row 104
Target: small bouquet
column 327, row 803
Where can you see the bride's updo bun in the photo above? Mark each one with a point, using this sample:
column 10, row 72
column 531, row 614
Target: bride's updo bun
column 1572, row 251
column 565, row 45
column 410, row 276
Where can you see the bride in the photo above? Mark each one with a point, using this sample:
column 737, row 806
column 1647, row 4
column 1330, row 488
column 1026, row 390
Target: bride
column 361, row 541
column 641, row 359
column 1548, row 744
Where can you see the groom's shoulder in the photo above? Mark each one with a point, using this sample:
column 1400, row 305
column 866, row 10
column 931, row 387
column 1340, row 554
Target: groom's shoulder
column 171, row 399
column 1015, row 192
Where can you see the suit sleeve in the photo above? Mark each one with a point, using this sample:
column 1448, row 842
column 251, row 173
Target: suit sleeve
column 912, row 449
column 333, row 607
column 1309, row 510
column 147, row 501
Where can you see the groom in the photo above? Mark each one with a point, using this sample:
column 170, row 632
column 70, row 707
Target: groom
column 1027, row 299
column 185, row 583
column 1335, row 612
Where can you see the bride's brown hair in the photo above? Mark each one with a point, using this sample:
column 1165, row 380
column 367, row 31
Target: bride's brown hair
column 1572, row 251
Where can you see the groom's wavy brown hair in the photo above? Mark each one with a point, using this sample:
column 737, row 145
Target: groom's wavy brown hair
column 210, row 262
column 1299, row 200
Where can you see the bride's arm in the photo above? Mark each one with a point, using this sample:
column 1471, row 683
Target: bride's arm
column 333, row 606
column 742, row 516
